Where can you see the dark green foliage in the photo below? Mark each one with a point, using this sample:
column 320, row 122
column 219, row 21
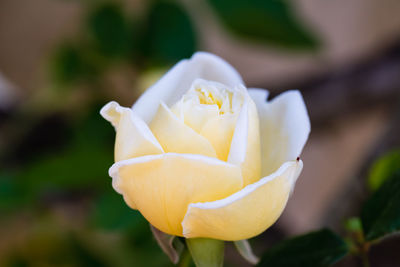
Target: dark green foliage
column 168, row 34
column 271, row 22
column 381, row 212
column 110, row 233
column 10, row 193
column 110, row 29
column 316, row 249
column 71, row 64
column 111, row 213
column 81, row 165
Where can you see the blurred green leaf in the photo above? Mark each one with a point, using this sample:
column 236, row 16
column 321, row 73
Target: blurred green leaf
column 83, row 164
column 383, row 169
column 353, row 224
column 316, row 249
column 72, row 64
column 76, row 168
column 381, row 212
column 80, row 166
column 169, row 35
column 10, row 193
column 110, row 29
column 111, row 213
column 272, row 22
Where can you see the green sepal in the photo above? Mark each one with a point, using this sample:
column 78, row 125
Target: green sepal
column 170, row 245
column 244, row 248
column 206, row 252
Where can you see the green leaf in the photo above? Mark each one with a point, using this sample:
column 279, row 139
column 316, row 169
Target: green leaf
column 110, row 29
column 169, row 35
column 381, row 212
column 206, row 252
column 272, row 22
column 383, row 169
column 316, row 249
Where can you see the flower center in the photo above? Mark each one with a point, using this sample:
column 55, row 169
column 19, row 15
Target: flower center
column 211, row 109
column 222, row 98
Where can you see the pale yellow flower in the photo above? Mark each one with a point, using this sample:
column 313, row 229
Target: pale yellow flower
column 199, row 155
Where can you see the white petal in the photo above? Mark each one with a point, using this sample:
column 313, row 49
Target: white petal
column 258, row 95
column 178, row 80
column 245, row 145
column 237, row 152
column 284, row 126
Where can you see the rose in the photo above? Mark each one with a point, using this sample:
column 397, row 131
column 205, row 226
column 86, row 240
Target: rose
column 200, row 156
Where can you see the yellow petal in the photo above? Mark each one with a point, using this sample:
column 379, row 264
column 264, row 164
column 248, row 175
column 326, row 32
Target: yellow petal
column 162, row 186
column 193, row 114
column 174, row 136
column 219, row 131
column 245, row 146
column 133, row 138
column 246, row 213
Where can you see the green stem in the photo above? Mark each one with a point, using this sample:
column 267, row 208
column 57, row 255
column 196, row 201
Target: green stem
column 364, row 255
column 185, row 259
column 206, row 252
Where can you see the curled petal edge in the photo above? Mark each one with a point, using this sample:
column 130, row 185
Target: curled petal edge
column 134, row 138
column 246, row 213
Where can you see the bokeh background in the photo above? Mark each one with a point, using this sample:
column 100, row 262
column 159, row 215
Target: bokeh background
column 61, row 60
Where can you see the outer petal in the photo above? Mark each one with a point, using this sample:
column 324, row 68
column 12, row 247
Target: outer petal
column 246, row 213
column 284, row 126
column 245, row 145
column 258, row 95
column 134, row 138
column 175, row 136
column 178, row 80
column 163, row 186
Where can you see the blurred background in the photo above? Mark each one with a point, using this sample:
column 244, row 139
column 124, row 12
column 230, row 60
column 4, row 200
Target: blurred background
column 62, row 60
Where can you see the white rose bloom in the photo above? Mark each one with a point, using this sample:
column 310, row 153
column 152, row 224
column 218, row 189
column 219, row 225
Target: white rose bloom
column 199, row 155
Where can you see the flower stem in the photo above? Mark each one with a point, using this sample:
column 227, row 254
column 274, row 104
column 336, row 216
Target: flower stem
column 185, row 259
column 364, row 255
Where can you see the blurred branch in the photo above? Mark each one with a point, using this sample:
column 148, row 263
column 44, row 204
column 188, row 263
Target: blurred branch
column 372, row 83
column 356, row 191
